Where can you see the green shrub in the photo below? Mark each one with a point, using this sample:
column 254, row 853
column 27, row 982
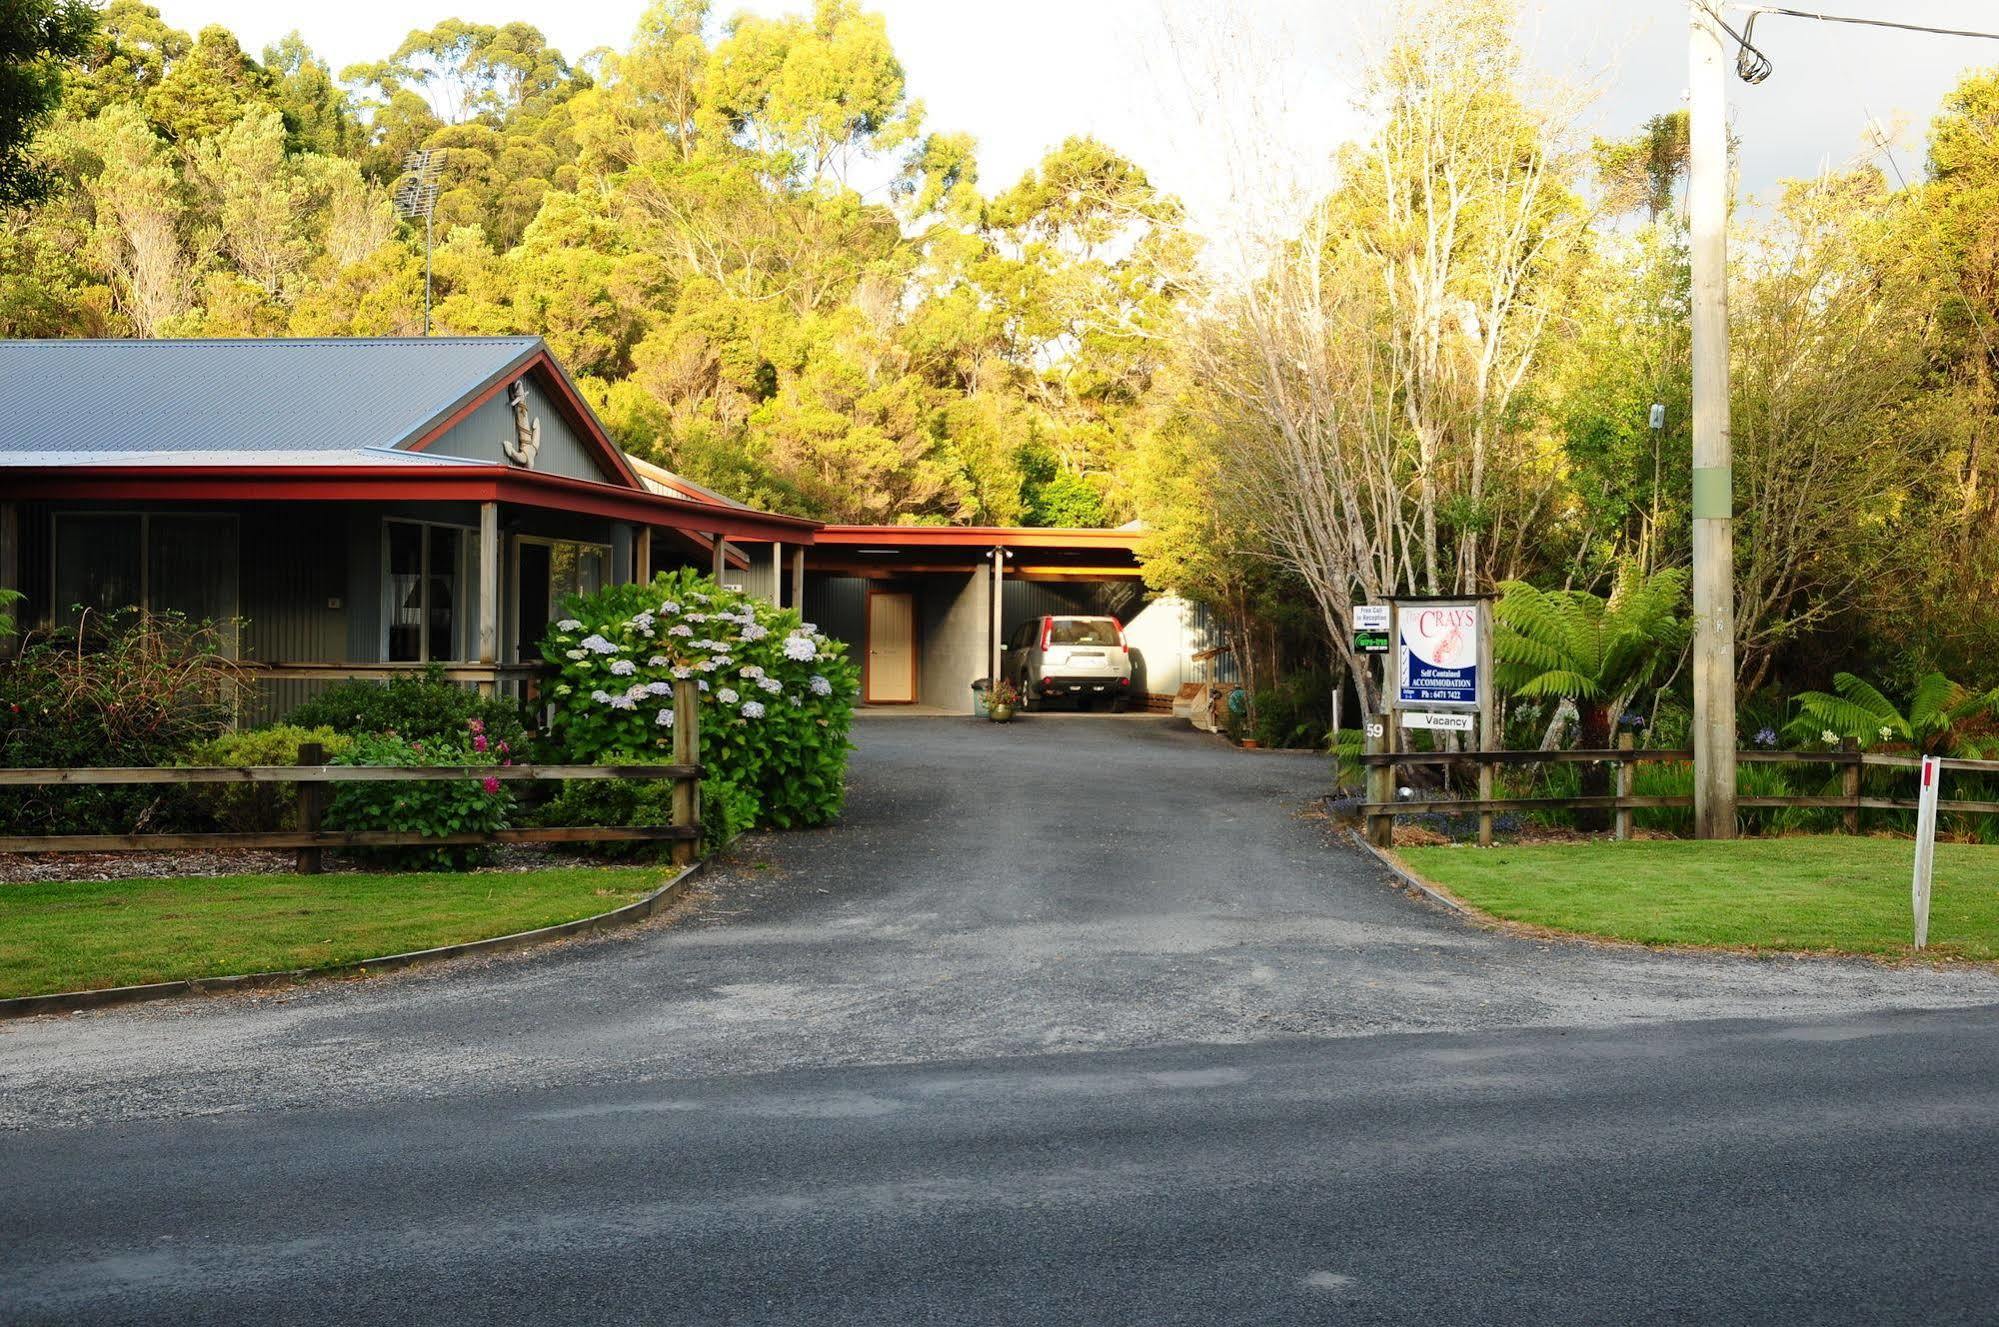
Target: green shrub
column 618, row 802
column 727, row 810
column 777, row 697
column 1295, row 712
column 437, row 807
column 251, row 807
column 122, row 689
column 420, row 706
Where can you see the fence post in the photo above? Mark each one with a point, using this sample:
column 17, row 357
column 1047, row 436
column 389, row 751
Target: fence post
column 686, row 751
column 1380, row 780
column 1849, row 783
column 1625, row 769
column 311, row 801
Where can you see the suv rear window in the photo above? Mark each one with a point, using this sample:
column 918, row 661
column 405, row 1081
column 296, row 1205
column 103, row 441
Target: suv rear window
column 1082, row 631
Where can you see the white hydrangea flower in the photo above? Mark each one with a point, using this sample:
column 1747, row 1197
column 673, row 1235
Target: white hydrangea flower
column 752, row 670
column 727, row 695
column 658, row 661
column 577, row 654
column 702, row 683
column 682, row 671
column 664, row 718
column 569, row 624
column 623, row 668
column 753, row 709
column 809, row 628
column 598, row 645
column 820, row 686
column 680, row 629
column 623, row 703
column 638, row 689
column 670, row 609
column 601, row 697
column 797, row 703
column 770, row 684
column 642, row 620
column 800, row 648
column 696, row 617
column 1829, row 737
column 755, row 631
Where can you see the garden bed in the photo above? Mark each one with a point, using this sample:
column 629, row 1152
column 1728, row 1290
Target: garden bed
column 65, row 935
column 1818, row 894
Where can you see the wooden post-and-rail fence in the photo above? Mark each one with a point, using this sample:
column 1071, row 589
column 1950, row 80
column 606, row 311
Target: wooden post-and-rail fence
column 312, row 777
column 1382, row 806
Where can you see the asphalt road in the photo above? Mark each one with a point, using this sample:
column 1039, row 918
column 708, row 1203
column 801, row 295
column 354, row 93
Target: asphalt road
column 1071, row 1021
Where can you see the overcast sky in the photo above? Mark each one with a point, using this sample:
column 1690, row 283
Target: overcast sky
column 1022, row 74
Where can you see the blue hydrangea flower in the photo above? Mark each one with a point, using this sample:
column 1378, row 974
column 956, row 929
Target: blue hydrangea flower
column 800, row 648
column 753, row 709
column 664, row 718
column 598, row 645
column 623, row 668
column 820, row 686
column 770, row 684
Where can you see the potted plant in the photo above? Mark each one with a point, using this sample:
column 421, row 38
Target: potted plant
column 1001, row 700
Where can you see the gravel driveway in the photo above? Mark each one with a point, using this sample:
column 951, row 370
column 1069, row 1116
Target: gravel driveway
column 1061, row 884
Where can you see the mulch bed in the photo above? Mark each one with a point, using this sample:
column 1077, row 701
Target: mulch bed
column 28, row 868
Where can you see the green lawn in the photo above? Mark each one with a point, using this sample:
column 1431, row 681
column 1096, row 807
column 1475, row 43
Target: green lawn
column 65, row 936
column 1823, row 893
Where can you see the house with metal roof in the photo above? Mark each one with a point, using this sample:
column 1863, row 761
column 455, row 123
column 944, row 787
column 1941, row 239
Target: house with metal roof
column 361, row 507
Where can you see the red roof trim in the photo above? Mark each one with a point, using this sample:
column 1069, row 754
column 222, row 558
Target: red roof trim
column 390, row 483
column 973, row 536
column 572, row 402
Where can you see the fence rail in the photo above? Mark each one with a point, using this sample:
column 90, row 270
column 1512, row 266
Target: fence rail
column 312, row 777
column 1381, row 808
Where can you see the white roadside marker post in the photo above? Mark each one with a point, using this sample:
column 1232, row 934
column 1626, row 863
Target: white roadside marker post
column 1926, row 844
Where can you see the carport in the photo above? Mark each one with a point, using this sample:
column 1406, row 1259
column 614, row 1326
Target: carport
column 926, row 609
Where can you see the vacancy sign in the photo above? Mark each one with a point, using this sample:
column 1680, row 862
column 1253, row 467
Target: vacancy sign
column 1438, row 655
column 1437, row 723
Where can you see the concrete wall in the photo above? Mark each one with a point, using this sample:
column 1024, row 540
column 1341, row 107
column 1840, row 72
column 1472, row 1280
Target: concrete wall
column 480, row 434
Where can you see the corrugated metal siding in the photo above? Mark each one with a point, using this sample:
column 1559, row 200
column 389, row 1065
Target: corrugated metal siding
column 954, row 616
column 838, row 606
column 296, row 596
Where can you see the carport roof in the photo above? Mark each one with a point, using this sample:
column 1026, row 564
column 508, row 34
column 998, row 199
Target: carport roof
column 1032, row 552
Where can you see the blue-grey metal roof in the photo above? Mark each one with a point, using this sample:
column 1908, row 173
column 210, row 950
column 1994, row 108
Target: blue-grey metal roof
column 264, row 402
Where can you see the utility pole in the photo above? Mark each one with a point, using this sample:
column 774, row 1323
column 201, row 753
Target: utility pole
column 1714, row 498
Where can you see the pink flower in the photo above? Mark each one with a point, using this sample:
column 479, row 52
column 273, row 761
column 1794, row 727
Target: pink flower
column 490, row 783
column 478, row 741
column 476, row 725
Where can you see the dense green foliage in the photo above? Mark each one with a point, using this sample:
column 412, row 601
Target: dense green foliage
column 764, row 269
column 36, row 38
column 250, row 807
column 130, row 689
column 418, row 706
column 776, row 697
column 434, row 806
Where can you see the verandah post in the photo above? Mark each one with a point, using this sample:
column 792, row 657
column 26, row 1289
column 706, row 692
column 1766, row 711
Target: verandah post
column 311, row 802
column 686, row 751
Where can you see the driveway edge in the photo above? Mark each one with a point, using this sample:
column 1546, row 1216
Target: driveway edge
column 1408, row 877
column 61, row 1002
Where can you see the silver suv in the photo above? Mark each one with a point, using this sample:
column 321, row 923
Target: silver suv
column 1083, row 658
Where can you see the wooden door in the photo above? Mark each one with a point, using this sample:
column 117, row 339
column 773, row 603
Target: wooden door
column 891, row 676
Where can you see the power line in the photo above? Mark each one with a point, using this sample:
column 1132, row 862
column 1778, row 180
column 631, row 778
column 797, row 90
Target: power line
column 1754, row 10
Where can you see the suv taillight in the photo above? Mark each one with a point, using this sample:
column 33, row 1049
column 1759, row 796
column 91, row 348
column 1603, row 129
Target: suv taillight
column 1123, row 644
column 1047, row 626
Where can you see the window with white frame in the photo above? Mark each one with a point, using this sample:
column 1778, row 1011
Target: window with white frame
column 429, row 613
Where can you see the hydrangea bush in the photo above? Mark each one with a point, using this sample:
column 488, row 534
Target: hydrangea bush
column 777, row 697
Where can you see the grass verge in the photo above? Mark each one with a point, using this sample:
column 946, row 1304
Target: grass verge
column 1820, row 894
column 86, row 934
